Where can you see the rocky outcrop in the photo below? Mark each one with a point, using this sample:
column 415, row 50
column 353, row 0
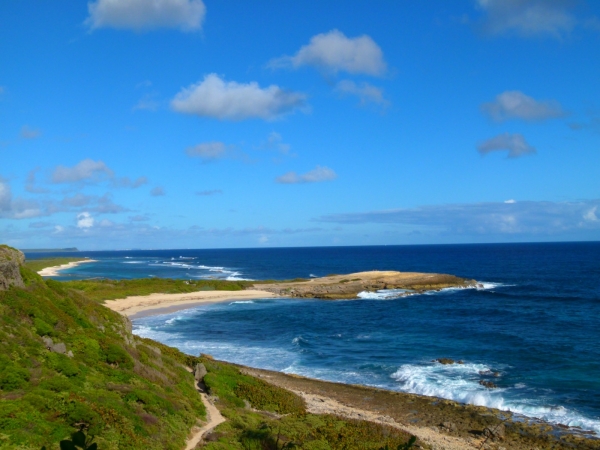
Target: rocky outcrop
column 10, row 261
column 349, row 286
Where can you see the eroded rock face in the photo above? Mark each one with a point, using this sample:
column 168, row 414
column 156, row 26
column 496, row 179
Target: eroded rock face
column 10, row 261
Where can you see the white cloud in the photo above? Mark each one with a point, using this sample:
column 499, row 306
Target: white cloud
column 491, row 218
column 30, row 133
column 367, row 93
column 213, row 97
column 86, row 170
column 335, row 52
column 139, row 15
column 208, row 151
column 5, row 196
column 590, row 215
column 158, row 191
column 528, row 17
column 516, row 105
column 85, row 220
column 510, row 201
column 514, row 143
column 316, row 175
column 16, row 208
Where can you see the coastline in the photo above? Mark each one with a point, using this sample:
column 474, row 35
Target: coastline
column 441, row 424
column 54, row 271
column 153, row 304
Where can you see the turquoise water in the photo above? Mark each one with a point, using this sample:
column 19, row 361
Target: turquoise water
column 536, row 321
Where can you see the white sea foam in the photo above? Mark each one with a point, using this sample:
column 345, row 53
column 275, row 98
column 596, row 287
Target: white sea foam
column 460, row 382
column 241, row 302
column 384, row 294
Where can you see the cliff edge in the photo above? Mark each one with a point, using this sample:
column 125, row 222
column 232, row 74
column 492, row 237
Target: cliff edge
column 11, row 260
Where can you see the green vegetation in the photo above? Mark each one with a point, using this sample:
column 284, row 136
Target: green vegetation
column 38, row 264
column 124, row 391
column 105, row 289
column 263, row 416
column 71, row 367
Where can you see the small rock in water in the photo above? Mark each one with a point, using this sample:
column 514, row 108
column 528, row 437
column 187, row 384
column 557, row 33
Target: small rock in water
column 445, row 361
column 488, row 384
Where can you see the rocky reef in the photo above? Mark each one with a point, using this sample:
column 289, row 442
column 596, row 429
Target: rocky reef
column 10, row 262
column 349, row 286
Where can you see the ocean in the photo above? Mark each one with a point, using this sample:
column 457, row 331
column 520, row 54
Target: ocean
column 533, row 329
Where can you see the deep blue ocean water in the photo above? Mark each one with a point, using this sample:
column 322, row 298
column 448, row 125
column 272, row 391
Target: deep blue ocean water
column 536, row 321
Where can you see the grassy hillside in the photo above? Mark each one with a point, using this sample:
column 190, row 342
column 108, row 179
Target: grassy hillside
column 125, row 391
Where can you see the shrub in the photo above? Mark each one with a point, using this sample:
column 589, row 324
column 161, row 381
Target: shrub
column 115, row 354
column 13, row 378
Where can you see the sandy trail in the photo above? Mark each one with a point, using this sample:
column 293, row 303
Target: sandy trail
column 214, row 418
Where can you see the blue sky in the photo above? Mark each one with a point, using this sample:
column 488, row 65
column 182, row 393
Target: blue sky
column 200, row 124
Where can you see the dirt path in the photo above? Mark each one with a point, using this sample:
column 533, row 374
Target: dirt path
column 214, row 418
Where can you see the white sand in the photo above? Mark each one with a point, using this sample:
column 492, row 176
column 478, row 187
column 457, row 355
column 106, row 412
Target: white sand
column 144, row 304
column 54, row 271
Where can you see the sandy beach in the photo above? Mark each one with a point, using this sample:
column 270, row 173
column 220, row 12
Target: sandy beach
column 144, row 305
column 54, row 271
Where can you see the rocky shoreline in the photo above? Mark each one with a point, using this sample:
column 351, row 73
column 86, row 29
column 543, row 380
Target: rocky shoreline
column 350, row 285
column 440, row 423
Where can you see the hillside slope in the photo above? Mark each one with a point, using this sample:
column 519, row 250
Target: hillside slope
column 67, row 362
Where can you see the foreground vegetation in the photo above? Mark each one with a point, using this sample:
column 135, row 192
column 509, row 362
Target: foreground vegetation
column 67, row 362
column 263, row 416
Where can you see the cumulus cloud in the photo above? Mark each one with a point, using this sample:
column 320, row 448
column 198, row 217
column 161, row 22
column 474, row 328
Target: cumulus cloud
column 516, row 105
column 86, row 170
column 491, row 218
column 209, row 192
column 216, row 98
column 16, row 208
column 30, row 133
column 334, row 52
column 318, row 174
column 528, row 17
column 140, row 15
column 85, row 220
column 207, row 151
column 367, row 93
column 515, row 144
column 158, row 191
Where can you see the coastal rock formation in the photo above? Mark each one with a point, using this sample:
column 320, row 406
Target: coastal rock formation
column 10, row 261
column 349, row 286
